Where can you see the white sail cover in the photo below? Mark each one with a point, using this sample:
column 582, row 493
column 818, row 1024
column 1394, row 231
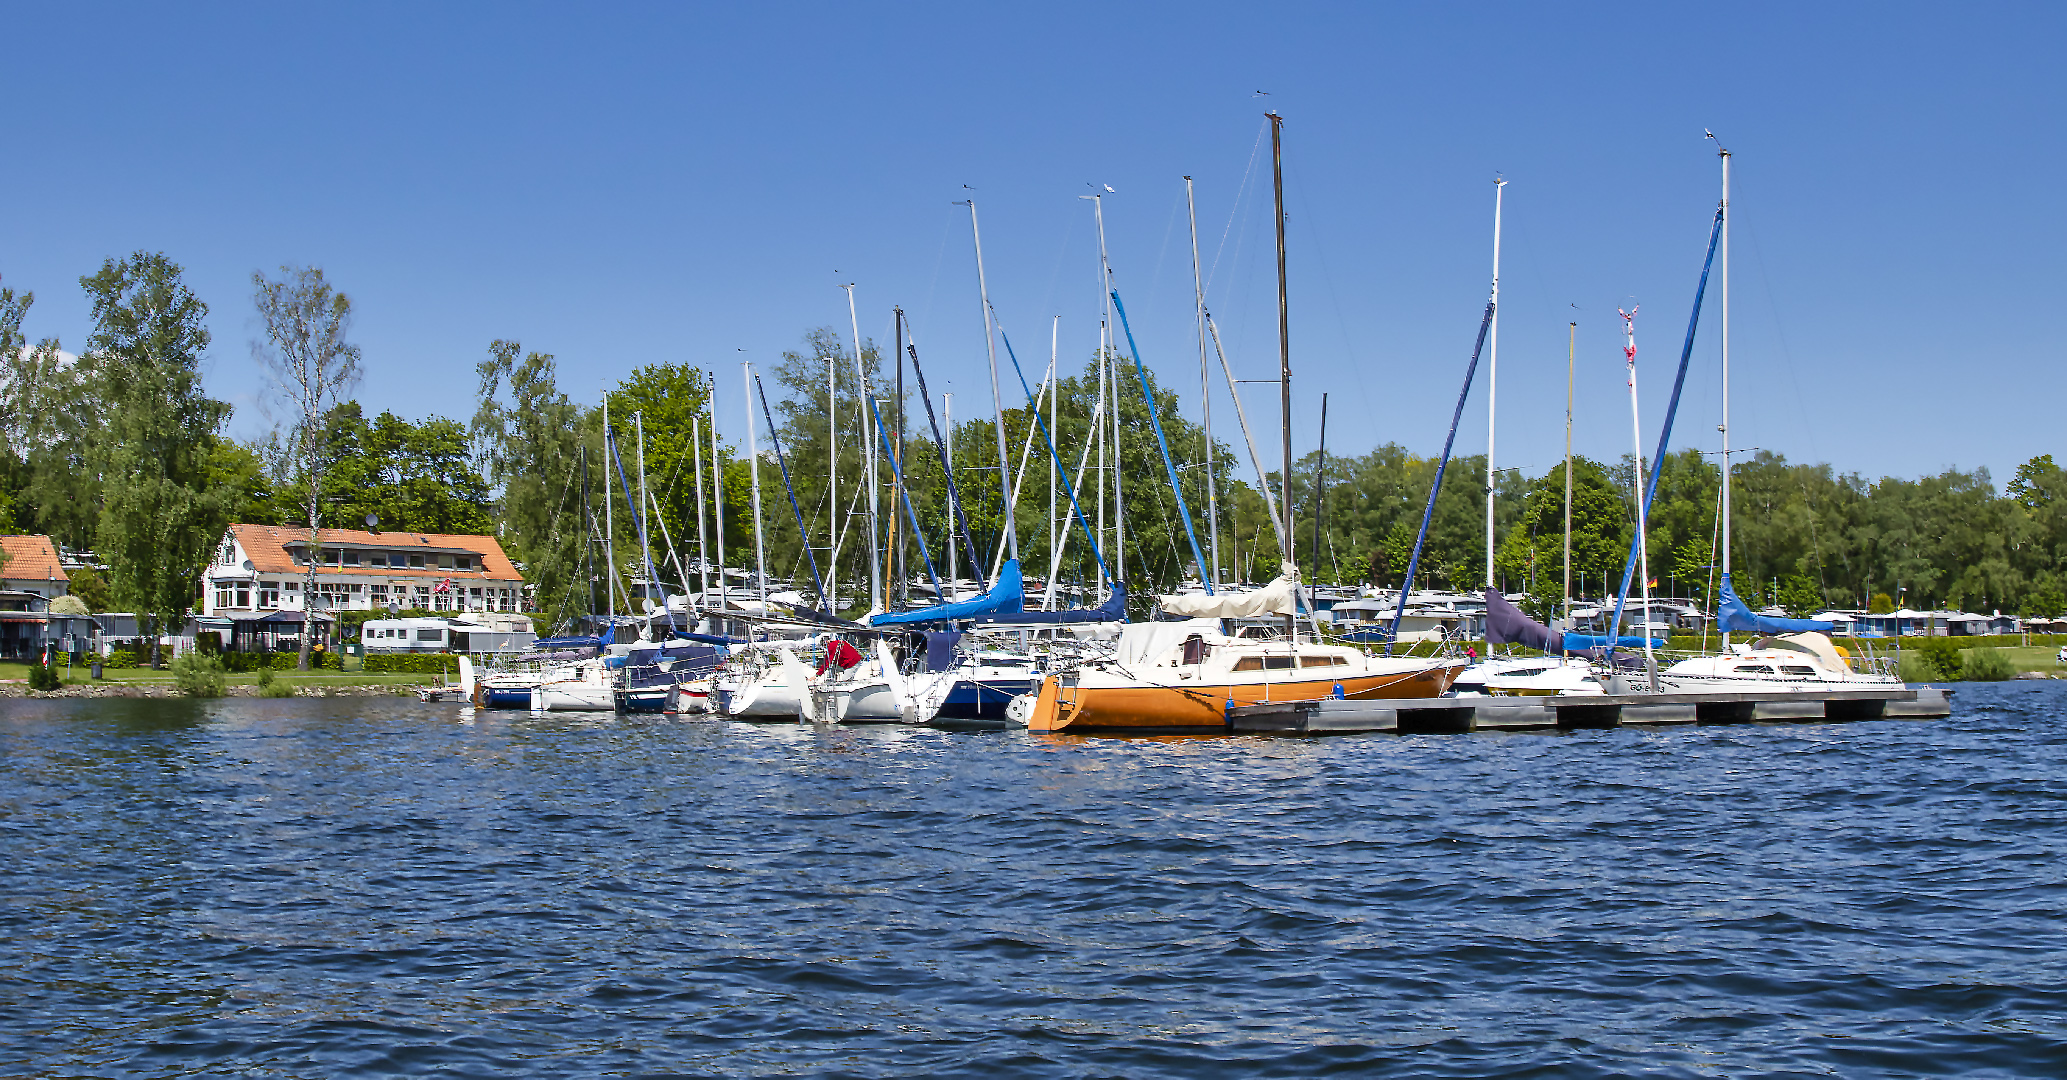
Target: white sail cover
column 1280, row 597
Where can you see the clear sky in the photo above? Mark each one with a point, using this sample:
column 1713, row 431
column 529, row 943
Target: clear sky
column 682, row 183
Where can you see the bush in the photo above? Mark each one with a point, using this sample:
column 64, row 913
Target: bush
column 270, row 685
column 44, row 677
column 1942, row 654
column 1987, row 665
column 119, row 658
column 209, row 641
column 199, row 675
column 412, row 664
column 1915, row 667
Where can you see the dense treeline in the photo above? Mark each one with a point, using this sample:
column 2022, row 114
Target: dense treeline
column 119, row 450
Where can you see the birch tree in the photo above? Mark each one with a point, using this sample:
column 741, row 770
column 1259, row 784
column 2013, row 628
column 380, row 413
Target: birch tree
column 312, row 368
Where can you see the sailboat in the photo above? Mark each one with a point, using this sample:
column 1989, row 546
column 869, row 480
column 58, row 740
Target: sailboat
column 1168, row 676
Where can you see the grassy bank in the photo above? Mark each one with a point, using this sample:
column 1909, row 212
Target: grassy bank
column 78, row 677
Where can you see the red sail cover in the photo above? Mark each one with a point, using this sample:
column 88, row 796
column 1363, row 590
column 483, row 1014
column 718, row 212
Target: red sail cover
column 1505, row 624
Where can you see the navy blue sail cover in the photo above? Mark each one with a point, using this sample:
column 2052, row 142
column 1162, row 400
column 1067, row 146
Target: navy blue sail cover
column 1505, row 624
column 1113, row 610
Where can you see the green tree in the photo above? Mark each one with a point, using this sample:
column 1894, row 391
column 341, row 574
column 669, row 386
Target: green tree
column 669, row 402
column 91, row 589
column 533, row 442
column 161, row 518
column 312, row 367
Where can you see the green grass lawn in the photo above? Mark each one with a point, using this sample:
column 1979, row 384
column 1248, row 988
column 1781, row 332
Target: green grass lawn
column 2032, row 657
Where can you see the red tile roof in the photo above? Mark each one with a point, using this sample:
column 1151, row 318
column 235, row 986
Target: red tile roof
column 266, row 546
column 31, row 557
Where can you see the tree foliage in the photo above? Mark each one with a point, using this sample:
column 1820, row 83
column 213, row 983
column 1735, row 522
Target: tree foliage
column 160, row 516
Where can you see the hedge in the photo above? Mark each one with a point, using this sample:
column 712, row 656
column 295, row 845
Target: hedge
column 412, row 664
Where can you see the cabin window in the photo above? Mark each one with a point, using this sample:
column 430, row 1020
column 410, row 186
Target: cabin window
column 1264, row 663
column 1321, row 661
column 1753, row 669
column 1523, row 674
column 1797, row 669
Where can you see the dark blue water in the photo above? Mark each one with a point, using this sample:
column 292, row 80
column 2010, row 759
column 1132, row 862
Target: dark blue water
column 333, row 887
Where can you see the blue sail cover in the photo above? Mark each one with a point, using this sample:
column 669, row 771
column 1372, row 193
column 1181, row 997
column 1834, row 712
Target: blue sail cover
column 1113, row 610
column 1577, row 644
column 1505, row 624
column 1734, row 616
column 1006, row 596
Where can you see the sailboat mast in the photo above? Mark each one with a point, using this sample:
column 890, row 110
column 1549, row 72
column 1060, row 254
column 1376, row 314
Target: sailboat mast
column 897, row 536
column 1571, row 373
column 1320, row 481
column 1105, row 355
column 833, row 518
column 703, row 549
column 1643, row 547
column 1277, row 173
column 1725, row 154
column 1493, row 378
column 875, row 565
column 1054, row 527
column 947, row 412
column 753, row 459
column 1198, row 286
column 609, row 529
column 717, row 504
column 645, row 535
column 997, row 403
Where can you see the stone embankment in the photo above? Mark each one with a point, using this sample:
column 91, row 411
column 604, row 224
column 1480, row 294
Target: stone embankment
column 18, row 689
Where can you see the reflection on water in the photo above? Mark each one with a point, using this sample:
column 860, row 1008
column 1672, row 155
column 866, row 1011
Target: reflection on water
column 306, row 887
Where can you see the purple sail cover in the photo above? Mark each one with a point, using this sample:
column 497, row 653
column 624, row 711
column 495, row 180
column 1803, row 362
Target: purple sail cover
column 1505, row 624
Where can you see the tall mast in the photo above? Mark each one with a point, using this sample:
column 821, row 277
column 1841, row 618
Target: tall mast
column 1054, row 527
column 609, row 531
column 997, row 404
column 753, row 458
column 1643, row 547
column 1571, row 372
column 1725, row 154
column 645, row 535
column 588, row 529
column 897, row 447
column 947, row 412
column 718, row 489
column 703, row 548
column 1277, row 174
column 1105, row 354
column 833, row 518
column 875, row 565
column 1493, row 378
column 1198, row 286
column 1320, row 479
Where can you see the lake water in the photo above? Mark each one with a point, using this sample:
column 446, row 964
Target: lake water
column 357, row 886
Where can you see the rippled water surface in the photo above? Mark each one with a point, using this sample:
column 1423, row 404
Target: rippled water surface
column 324, row 887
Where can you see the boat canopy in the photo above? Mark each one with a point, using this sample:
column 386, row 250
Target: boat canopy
column 1113, row 610
column 1732, row 615
column 1814, row 644
column 1280, row 597
column 1141, row 643
column 1006, row 596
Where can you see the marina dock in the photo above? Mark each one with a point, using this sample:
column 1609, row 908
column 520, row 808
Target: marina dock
column 1442, row 716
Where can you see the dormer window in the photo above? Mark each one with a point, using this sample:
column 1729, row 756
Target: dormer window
column 416, row 562
column 378, row 558
column 350, row 558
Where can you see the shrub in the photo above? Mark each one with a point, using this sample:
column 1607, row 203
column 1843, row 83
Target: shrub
column 209, row 641
column 1987, row 665
column 119, row 658
column 198, row 674
column 412, row 664
column 1915, row 667
column 44, row 677
column 1942, row 654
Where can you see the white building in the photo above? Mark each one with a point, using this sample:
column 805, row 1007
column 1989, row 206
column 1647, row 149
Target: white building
column 263, row 568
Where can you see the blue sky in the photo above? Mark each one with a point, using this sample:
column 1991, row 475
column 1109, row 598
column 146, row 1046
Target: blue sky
column 681, row 183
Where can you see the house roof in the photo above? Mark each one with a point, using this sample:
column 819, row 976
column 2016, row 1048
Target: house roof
column 31, row 558
column 266, row 547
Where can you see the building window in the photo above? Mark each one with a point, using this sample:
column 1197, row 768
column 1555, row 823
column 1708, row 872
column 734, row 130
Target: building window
column 222, row 595
column 269, row 594
column 227, row 554
column 351, row 558
column 416, row 562
column 243, row 594
column 378, row 558
column 464, row 562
